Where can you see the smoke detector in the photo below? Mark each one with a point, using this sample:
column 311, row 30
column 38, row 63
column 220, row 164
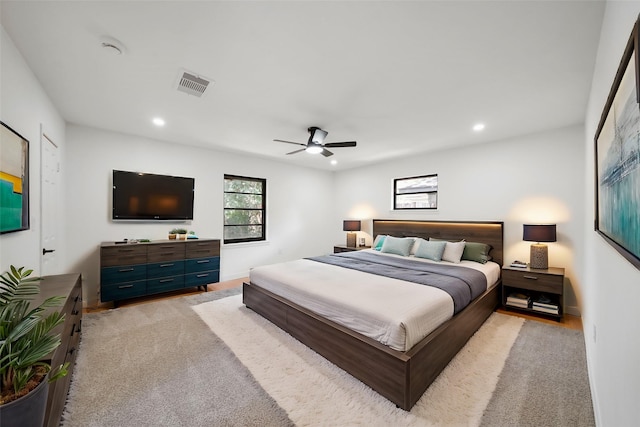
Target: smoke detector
column 193, row 84
column 112, row 46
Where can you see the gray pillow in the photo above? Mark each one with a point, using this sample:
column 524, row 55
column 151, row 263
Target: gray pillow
column 430, row 250
column 397, row 245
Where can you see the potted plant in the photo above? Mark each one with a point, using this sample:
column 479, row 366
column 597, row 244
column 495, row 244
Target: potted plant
column 181, row 232
column 26, row 339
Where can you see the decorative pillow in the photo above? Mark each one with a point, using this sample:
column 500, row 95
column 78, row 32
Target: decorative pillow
column 430, row 250
column 414, row 247
column 453, row 251
column 377, row 244
column 397, row 245
column 478, row 252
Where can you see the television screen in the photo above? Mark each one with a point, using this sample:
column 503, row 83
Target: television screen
column 149, row 196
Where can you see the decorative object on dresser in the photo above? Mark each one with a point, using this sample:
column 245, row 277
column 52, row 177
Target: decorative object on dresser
column 140, row 269
column 533, row 290
column 38, row 347
column 539, row 251
column 617, row 160
column 351, row 225
column 339, row 248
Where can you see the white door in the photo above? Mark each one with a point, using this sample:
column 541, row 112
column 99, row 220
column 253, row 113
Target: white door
column 49, row 177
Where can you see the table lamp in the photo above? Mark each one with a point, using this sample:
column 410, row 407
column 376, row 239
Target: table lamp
column 539, row 257
column 351, row 225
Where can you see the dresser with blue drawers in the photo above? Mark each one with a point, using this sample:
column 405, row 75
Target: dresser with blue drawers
column 138, row 269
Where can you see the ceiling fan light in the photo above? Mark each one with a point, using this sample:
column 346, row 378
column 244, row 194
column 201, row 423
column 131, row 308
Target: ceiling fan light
column 314, row 149
column 318, row 135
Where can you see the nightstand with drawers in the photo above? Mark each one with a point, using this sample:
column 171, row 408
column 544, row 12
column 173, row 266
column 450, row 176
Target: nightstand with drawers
column 538, row 291
column 338, row 248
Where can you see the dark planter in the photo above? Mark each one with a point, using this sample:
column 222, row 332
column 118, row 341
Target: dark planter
column 28, row 411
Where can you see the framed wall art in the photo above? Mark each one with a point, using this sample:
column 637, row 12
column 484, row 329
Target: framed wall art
column 14, row 181
column 617, row 158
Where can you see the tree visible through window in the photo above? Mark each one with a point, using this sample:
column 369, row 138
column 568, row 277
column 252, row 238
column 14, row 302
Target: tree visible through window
column 244, row 209
column 417, row 192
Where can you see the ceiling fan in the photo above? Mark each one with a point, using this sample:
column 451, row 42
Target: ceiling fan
column 315, row 143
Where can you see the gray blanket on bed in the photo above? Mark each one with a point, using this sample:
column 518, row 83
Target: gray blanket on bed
column 463, row 284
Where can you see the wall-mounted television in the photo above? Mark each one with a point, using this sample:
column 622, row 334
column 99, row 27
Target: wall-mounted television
column 146, row 196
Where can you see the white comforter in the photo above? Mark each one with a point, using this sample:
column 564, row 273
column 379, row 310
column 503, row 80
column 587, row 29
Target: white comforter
column 393, row 312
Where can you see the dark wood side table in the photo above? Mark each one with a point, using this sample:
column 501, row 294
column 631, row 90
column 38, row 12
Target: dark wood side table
column 542, row 290
column 339, row 248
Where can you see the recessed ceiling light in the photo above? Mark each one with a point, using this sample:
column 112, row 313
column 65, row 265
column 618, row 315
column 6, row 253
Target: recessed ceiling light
column 334, row 162
column 478, row 127
column 158, row 121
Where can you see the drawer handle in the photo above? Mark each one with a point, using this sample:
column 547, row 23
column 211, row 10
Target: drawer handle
column 125, row 250
column 203, row 275
column 166, row 247
column 125, row 270
column 202, row 261
column 75, row 312
column 166, row 280
column 72, row 350
column 167, row 265
column 73, row 330
column 530, row 277
column 125, row 286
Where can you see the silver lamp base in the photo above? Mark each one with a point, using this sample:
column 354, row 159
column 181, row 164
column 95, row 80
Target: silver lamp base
column 539, row 257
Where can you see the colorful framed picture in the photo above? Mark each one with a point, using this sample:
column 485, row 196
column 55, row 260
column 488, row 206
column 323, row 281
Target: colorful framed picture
column 617, row 156
column 14, row 181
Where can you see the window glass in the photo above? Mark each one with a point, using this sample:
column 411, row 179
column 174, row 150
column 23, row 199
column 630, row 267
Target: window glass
column 244, row 209
column 417, row 192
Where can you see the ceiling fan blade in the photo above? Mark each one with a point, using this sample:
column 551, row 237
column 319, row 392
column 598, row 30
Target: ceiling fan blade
column 289, row 142
column 341, row 144
column 297, row 151
column 326, row 153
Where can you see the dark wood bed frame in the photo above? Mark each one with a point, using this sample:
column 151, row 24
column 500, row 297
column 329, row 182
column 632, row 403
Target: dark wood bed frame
column 401, row 377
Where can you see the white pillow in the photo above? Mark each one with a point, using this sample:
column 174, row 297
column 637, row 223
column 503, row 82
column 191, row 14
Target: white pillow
column 453, row 252
column 414, row 248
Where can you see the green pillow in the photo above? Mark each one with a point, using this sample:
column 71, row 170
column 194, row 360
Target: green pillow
column 397, row 245
column 430, row 250
column 478, row 252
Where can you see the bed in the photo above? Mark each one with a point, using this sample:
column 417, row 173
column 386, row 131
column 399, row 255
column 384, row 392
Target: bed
column 400, row 376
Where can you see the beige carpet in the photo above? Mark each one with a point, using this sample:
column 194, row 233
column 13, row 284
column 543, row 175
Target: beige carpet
column 314, row 392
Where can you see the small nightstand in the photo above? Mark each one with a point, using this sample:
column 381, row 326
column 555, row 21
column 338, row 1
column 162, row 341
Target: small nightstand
column 543, row 290
column 338, row 249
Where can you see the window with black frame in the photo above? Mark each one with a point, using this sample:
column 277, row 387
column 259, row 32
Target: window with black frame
column 416, row 192
column 244, row 209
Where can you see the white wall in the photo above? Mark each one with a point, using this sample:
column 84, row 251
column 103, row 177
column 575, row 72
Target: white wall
column 612, row 285
column 25, row 107
column 534, row 178
column 299, row 201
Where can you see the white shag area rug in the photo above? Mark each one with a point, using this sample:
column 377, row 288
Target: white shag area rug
column 314, row 392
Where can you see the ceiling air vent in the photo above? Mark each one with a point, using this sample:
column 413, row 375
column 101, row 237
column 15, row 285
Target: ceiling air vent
column 193, row 84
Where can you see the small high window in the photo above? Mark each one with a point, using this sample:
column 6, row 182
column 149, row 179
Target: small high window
column 416, row 192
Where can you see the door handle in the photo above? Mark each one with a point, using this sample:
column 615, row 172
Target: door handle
column 46, row 251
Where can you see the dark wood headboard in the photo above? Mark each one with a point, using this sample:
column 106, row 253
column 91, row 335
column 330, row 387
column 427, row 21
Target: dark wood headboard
column 490, row 232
